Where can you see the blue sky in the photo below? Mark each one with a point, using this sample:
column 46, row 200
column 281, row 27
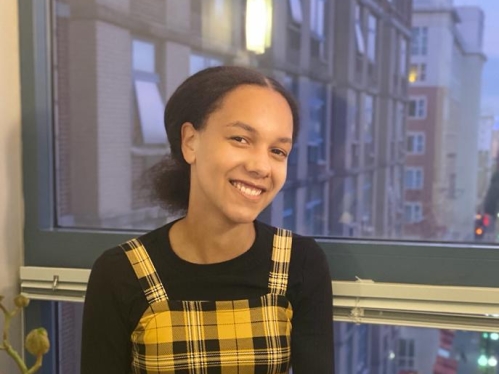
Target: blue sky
column 490, row 98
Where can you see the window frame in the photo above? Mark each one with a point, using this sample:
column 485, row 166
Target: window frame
column 416, row 135
column 421, row 105
column 414, row 170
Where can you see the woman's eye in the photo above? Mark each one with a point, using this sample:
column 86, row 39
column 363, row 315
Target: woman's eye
column 239, row 139
column 280, row 152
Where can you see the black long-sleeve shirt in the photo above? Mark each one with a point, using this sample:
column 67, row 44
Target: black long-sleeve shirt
column 115, row 302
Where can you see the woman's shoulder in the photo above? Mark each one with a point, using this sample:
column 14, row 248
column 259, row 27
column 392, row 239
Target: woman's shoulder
column 303, row 248
column 114, row 263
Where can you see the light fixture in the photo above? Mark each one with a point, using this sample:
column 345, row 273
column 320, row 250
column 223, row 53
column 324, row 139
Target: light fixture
column 258, row 25
column 482, row 360
column 492, row 362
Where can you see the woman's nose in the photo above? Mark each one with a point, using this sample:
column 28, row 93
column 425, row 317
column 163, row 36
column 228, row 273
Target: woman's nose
column 258, row 163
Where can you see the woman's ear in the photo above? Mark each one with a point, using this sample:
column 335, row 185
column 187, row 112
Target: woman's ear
column 189, row 139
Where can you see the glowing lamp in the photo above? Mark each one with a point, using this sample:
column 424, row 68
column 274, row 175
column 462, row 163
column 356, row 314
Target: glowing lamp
column 258, row 25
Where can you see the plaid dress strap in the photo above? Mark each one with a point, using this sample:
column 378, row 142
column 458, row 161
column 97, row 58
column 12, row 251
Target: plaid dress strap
column 145, row 271
column 281, row 255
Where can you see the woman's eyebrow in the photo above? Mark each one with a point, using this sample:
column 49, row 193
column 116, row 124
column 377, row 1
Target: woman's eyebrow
column 252, row 130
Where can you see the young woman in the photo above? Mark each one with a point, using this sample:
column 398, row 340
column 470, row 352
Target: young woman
column 216, row 291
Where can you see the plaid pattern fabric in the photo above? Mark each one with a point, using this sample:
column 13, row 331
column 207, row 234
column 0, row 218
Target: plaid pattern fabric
column 205, row 337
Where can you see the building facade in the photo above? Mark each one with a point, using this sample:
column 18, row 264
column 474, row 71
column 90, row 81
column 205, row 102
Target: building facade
column 442, row 132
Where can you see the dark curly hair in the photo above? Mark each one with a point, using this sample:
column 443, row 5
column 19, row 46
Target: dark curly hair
column 193, row 101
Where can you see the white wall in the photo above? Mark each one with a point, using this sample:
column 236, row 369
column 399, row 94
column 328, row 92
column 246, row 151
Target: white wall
column 11, row 204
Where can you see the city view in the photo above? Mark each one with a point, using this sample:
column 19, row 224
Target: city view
column 399, row 110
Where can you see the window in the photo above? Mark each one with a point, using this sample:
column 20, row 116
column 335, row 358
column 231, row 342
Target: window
column 296, row 11
column 416, row 143
column 371, row 38
column 317, row 27
column 417, row 73
column 317, row 14
column 417, row 108
column 414, row 178
column 359, row 34
column 366, row 223
column 149, row 101
column 288, row 213
column 314, row 209
column 91, row 78
column 317, row 129
column 413, row 212
column 403, row 56
column 419, row 41
column 406, row 354
column 369, row 118
column 294, row 25
column 199, row 62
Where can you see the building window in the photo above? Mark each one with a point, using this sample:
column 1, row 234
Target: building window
column 414, row 178
column 417, row 73
column 419, row 41
column 317, row 27
column 417, row 108
column 367, row 200
column 359, row 35
column 317, row 129
column 371, row 38
column 403, row 56
column 314, row 209
column 288, row 213
column 296, row 11
column 198, row 62
column 416, row 143
column 406, row 354
column 150, row 104
column 368, row 118
column 294, row 26
column 413, row 213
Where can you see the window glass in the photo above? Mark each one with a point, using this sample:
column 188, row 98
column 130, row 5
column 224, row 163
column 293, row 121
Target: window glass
column 371, row 46
column 296, row 10
column 150, row 106
column 143, row 56
column 400, row 123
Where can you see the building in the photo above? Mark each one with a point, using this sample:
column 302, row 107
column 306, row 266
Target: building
column 486, row 157
column 442, row 133
column 346, row 62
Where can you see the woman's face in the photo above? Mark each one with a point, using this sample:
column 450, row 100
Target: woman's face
column 239, row 159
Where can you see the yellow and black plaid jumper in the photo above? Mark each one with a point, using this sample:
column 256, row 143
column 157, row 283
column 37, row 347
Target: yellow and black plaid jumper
column 191, row 337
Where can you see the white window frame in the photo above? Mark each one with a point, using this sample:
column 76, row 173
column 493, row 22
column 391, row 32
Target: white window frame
column 418, row 72
column 419, row 45
column 420, row 107
column 416, row 212
column 404, row 360
column 417, row 178
column 418, row 140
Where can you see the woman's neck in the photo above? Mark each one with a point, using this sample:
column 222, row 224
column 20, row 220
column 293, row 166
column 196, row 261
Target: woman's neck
column 207, row 241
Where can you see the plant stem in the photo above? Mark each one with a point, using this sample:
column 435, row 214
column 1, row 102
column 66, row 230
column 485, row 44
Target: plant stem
column 36, row 366
column 6, row 345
